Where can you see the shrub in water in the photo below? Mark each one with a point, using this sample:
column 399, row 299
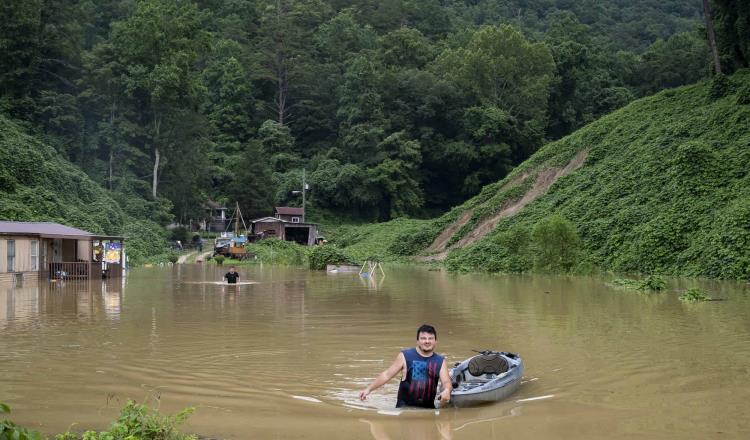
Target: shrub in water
column 219, row 259
column 321, row 256
column 173, row 257
column 625, row 283
column 557, row 244
column 695, row 294
column 653, row 282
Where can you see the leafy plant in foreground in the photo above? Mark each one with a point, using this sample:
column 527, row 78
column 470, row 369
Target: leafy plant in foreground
column 139, row 422
column 10, row 431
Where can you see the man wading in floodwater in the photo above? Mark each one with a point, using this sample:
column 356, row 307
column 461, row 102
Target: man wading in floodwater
column 232, row 276
column 420, row 368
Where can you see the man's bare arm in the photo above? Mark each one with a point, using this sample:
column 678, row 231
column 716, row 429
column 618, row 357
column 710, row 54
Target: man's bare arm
column 445, row 380
column 397, row 365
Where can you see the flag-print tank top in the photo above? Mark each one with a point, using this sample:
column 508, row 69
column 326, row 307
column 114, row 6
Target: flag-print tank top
column 420, row 384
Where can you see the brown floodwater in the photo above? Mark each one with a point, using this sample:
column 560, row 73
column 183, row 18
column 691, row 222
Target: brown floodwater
column 286, row 357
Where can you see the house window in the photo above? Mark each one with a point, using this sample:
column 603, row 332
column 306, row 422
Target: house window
column 295, row 219
column 11, row 256
column 34, row 255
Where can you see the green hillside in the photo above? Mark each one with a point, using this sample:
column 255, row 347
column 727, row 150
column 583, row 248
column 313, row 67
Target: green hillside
column 662, row 187
column 36, row 184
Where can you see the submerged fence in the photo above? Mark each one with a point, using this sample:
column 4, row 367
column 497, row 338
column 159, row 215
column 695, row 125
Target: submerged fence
column 81, row 270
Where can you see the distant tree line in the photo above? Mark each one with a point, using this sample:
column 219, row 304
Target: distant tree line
column 393, row 107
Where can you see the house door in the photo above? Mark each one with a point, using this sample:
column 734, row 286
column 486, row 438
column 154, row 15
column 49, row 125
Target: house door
column 57, row 250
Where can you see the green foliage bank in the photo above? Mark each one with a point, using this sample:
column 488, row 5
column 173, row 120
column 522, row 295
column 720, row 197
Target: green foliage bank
column 36, row 184
column 665, row 188
column 390, row 241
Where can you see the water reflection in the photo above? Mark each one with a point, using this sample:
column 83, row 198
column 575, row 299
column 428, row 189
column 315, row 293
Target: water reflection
column 444, row 424
column 113, row 292
column 18, row 304
column 35, row 301
column 372, row 282
column 437, row 429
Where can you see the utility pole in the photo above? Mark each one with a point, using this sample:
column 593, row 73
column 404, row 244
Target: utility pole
column 304, row 189
column 237, row 219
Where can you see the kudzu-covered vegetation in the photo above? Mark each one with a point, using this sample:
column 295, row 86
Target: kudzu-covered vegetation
column 384, row 241
column 664, row 188
column 39, row 185
column 275, row 251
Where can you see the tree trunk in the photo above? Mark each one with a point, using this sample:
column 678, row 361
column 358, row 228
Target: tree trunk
column 111, row 156
column 281, row 69
column 111, row 140
column 155, row 180
column 281, row 101
column 711, row 36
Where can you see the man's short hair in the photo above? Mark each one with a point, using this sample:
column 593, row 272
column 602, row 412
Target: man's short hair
column 426, row 328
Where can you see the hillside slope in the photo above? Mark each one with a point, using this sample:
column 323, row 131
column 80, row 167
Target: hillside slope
column 660, row 186
column 36, row 184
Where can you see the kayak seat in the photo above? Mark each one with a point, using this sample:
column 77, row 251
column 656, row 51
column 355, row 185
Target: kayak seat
column 458, row 380
column 492, row 363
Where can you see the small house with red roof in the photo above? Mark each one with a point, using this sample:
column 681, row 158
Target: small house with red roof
column 294, row 215
column 288, row 224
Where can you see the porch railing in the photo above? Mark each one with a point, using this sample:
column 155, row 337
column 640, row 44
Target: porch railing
column 65, row 271
column 81, row 270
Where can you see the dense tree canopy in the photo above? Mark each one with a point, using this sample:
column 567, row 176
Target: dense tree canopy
column 392, row 107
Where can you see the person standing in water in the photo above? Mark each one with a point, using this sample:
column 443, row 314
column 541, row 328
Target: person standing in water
column 231, row 276
column 420, row 369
